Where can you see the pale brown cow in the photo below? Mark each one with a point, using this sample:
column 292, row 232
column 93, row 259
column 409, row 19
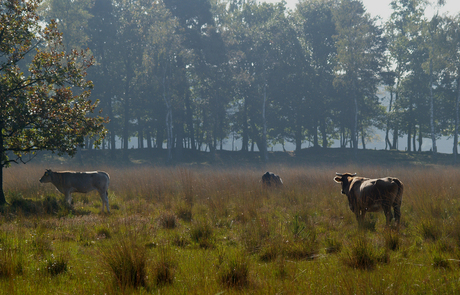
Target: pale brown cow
column 68, row 182
column 371, row 195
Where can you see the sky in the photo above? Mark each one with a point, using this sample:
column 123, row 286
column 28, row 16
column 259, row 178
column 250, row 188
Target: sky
column 382, row 7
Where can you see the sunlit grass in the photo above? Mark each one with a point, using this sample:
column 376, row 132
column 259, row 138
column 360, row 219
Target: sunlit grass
column 211, row 230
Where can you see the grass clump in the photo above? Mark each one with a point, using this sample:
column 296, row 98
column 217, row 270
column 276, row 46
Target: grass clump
column 103, row 233
column 126, row 261
column 56, row 265
column 164, row 268
column 167, row 220
column 440, row 261
column 429, row 229
column 179, row 240
column 392, row 240
column 361, row 255
column 11, row 263
column 333, row 245
column 234, row 272
column 201, row 233
column 184, row 211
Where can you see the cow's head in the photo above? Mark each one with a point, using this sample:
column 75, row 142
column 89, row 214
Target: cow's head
column 46, row 177
column 345, row 179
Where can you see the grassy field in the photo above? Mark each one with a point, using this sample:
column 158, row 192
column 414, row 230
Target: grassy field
column 217, row 231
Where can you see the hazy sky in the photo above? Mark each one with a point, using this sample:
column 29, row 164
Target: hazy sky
column 382, row 7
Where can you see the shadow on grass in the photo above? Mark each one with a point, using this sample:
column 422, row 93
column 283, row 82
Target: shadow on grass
column 48, row 205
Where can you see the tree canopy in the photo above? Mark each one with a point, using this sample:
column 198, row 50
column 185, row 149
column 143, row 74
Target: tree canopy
column 44, row 93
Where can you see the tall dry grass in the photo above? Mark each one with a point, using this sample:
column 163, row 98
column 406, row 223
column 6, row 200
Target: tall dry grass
column 228, row 233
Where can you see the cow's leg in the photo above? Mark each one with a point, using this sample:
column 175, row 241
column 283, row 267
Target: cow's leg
column 397, row 209
column 105, row 200
column 68, row 197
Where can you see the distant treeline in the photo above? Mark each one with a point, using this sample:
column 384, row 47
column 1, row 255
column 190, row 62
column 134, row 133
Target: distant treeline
column 191, row 73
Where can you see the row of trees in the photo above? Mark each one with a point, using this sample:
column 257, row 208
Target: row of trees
column 192, row 73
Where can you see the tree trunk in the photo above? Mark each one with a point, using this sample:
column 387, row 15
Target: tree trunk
column 455, row 149
column 2, row 155
column 188, row 110
column 323, row 131
column 387, row 139
column 245, row 141
column 433, row 135
column 264, row 132
column 169, row 119
column 355, row 125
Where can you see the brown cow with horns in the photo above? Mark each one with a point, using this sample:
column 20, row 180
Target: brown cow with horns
column 371, row 195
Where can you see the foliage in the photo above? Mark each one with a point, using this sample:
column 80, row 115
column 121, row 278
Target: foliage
column 44, row 99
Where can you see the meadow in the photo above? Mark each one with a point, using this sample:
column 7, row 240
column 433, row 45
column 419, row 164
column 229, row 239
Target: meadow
column 185, row 230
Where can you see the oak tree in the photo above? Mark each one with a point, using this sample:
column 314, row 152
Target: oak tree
column 44, row 93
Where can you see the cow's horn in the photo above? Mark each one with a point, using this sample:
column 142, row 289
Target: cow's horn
column 338, row 174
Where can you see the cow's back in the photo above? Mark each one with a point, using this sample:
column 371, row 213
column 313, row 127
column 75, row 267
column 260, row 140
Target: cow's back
column 378, row 191
column 83, row 181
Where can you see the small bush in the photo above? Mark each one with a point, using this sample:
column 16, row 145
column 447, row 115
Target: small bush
column 126, row 260
column 235, row 271
column 55, row 265
column 167, row 220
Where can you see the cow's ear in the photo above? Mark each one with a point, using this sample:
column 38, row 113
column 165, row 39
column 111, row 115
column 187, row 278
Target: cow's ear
column 338, row 179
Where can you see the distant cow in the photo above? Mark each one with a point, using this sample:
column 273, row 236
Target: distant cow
column 269, row 179
column 68, row 182
column 371, row 195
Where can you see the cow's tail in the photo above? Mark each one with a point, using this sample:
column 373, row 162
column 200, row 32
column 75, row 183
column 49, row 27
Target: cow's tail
column 398, row 200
